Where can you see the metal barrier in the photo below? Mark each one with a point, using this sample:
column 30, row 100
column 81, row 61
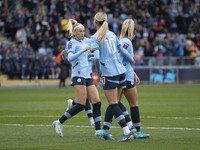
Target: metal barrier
column 168, row 74
column 171, row 61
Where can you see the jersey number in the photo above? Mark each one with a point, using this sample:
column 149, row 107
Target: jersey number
column 111, row 45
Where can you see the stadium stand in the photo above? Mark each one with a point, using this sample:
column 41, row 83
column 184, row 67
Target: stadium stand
column 168, row 32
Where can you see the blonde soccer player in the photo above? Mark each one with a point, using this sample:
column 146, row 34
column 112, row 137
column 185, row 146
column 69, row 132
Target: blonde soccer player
column 127, row 34
column 113, row 74
column 77, row 51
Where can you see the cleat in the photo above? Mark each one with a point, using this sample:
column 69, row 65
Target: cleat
column 133, row 130
column 58, row 127
column 126, row 137
column 106, row 135
column 97, row 133
column 141, row 135
column 69, row 103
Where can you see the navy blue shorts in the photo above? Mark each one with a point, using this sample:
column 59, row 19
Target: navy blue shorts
column 129, row 84
column 114, row 82
column 81, row 81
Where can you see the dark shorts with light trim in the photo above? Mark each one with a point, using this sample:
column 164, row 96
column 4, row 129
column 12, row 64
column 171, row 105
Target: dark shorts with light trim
column 81, row 81
column 114, row 82
column 129, row 84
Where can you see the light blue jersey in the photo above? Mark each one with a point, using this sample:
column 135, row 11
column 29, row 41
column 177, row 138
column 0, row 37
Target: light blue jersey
column 127, row 44
column 78, row 58
column 90, row 61
column 110, row 64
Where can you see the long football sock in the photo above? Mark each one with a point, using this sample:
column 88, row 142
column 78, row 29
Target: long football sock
column 108, row 118
column 135, row 115
column 71, row 112
column 118, row 114
column 126, row 115
column 97, row 115
column 88, row 109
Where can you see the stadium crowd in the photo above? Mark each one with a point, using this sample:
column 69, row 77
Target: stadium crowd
column 38, row 27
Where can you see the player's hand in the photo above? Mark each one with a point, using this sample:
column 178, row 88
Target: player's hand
column 99, row 74
column 63, row 52
column 132, row 63
column 91, row 54
column 137, row 79
column 87, row 48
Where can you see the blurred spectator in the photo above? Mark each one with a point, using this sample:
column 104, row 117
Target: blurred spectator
column 139, row 60
column 21, row 36
column 2, row 53
column 42, row 8
column 15, row 61
column 55, row 69
column 193, row 50
column 18, row 20
column 171, row 26
column 159, row 57
column 197, row 59
column 27, row 61
column 6, row 62
column 45, row 67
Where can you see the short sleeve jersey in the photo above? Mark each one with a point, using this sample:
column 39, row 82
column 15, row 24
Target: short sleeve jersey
column 79, row 65
column 127, row 44
column 110, row 64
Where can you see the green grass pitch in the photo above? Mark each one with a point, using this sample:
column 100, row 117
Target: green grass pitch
column 169, row 113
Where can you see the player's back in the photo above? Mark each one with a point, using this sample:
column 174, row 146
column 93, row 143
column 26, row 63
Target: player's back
column 110, row 65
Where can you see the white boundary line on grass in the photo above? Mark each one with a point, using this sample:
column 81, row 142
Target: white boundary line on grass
column 79, row 126
column 52, row 116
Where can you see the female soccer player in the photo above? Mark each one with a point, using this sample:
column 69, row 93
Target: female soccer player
column 77, row 54
column 112, row 72
column 71, row 102
column 128, row 32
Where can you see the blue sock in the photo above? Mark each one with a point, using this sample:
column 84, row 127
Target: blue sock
column 88, row 109
column 97, row 115
column 108, row 118
column 135, row 115
column 125, row 112
column 71, row 112
column 118, row 114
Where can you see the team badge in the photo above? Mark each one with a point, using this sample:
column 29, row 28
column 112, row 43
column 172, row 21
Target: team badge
column 70, row 46
column 125, row 45
column 79, row 80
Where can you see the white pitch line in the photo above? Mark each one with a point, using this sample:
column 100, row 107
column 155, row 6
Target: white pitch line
column 79, row 126
column 56, row 116
column 175, row 118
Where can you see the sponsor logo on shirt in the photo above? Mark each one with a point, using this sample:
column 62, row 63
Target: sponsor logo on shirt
column 125, row 45
column 70, row 46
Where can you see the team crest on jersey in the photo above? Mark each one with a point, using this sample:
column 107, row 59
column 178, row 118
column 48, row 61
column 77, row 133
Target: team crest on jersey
column 70, row 46
column 79, row 80
column 125, row 45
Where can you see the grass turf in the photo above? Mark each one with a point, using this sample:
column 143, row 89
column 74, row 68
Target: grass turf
column 26, row 116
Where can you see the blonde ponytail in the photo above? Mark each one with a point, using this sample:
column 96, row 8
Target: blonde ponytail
column 71, row 26
column 127, row 29
column 101, row 17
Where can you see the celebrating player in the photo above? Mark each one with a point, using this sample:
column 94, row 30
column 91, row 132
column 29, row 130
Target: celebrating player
column 128, row 32
column 113, row 74
column 77, row 54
